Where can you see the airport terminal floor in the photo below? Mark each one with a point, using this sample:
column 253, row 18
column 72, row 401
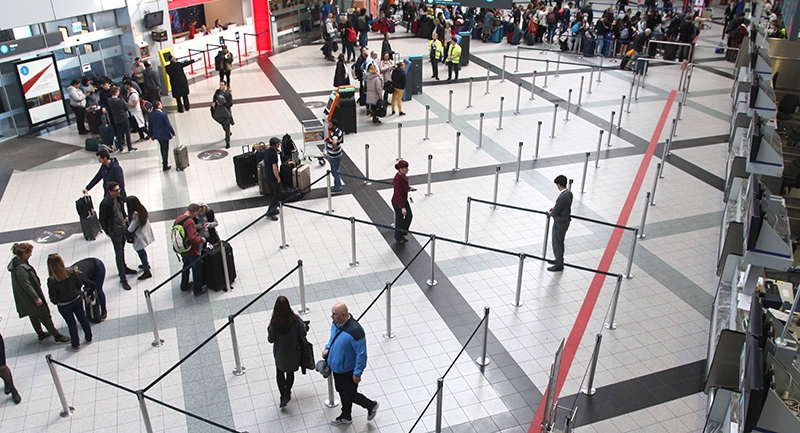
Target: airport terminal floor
column 650, row 370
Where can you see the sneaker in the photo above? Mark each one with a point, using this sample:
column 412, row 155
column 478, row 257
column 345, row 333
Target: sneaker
column 74, row 348
column 341, row 421
column 62, row 339
column 371, row 414
column 44, row 337
column 402, row 114
column 145, row 276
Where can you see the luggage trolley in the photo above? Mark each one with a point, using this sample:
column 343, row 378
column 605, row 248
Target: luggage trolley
column 314, row 133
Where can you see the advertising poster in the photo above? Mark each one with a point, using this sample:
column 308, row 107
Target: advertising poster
column 42, row 89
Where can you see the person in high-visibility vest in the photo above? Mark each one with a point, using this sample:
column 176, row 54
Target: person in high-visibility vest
column 436, row 53
column 453, row 60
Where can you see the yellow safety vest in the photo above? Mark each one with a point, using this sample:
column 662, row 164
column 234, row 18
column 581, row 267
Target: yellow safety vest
column 455, row 54
column 435, row 48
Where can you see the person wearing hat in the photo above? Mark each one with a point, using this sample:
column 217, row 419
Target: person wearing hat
column 137, row 71
column 402, row 210
column 223, row 63
column 273, row 176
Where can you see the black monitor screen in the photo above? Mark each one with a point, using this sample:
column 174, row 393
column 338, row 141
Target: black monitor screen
column 153, row 20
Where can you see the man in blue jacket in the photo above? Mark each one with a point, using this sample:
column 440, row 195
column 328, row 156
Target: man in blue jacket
column 161, row 130
column 346, row 354
column 110, row 171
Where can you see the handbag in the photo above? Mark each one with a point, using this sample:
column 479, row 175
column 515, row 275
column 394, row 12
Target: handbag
column 129, row 237
column 720, row 48
column 388, row 87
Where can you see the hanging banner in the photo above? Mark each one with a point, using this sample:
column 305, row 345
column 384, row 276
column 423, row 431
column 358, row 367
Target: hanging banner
column 42, row 89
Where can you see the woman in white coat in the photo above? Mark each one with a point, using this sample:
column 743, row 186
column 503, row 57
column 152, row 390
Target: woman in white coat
column 139, row 228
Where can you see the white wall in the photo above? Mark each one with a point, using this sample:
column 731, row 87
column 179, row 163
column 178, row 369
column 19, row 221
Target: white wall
column 227, row 11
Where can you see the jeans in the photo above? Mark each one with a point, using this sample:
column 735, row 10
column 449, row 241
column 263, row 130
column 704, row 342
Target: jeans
column 72, row 311
column 123, row 133
column 337, row 175
column 99, row 278
column 349, row 50
column 362, row 38
column 164, row 145
column 193, row 263
column 285, row 382
column 118, row 240
column 143, row 258
column 348, row 393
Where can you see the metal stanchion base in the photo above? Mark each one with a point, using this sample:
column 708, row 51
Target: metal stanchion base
column 329, row 403
column 239, row 372
column 425, row 139
column 157, row 343
column 284, row 247
column 629, row 276
column 428, row 194
column 67, row 414
column 431, row 283
column 587, row 391
column 388, row 336
column 517, row 305
column 611, row 326
column 367, row 183
column 483, row 362
column 303, row 310
column 456, row 169
column 354, row 264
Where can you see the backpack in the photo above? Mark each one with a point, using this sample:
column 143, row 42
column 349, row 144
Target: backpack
column 287, row 147
column 180, row 242
column 362, row 23
column 551, row 18
column 351, row 35
column 624, row 34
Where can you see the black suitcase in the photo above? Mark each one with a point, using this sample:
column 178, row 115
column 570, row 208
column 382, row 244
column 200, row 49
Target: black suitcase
column 589, row 46
column 93, row 118
column 286, row 174
column 92, row 308
column 90, row 225
column 670, row 52
column 530, row 39
column 246, row 168
column 106, row 131
column 213, row 272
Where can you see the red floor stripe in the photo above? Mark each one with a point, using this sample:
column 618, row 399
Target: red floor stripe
column 582, row 320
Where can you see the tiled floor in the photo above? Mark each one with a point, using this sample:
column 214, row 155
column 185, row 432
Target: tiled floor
column 662, row 314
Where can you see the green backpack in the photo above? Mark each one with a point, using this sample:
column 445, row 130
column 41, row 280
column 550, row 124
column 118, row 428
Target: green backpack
column 180, row 242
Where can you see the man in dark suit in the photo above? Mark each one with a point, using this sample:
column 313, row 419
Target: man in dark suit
column 560, row 212
column 161, row 130
column 113, row 221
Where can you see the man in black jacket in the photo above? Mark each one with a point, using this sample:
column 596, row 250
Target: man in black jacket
column 686, row 36
column 119, row 112
column 560, row 212
column 152, row 85
column 109, row 171
column 113, row 220
column 221, row 105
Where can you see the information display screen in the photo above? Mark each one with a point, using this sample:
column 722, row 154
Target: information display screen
column 42, row 89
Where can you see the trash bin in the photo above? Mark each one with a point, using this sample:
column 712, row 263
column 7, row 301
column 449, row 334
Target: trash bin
column 465, row 40
column 414, row 78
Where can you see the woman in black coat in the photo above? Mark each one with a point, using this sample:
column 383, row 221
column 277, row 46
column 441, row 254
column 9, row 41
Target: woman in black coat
column 285, row 331
column 64, row 286
column 340, row 78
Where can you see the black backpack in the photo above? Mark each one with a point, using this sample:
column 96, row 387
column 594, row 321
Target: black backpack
column 287, row 147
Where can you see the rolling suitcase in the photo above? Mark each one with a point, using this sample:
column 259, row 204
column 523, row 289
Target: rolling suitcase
column 286, row 171
column 93, row 118
column 214, row 273
column 263, row 186
column 301, row 178
column 93, row 308
column 246, row 168
column 106, row 131
column 90, row 225
column 530, row 39
column 181, row 154
column 670, row 52
column 415, row 27
column 497, row 35
column 589, row 46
